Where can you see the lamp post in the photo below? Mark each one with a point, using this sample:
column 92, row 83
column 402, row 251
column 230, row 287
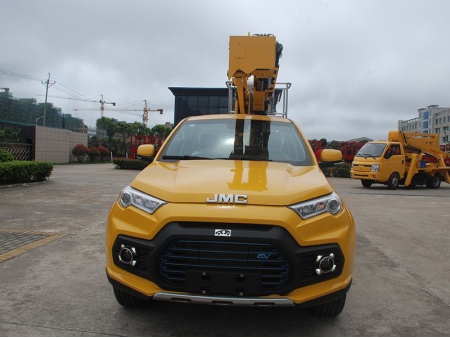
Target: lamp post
column 39, row 119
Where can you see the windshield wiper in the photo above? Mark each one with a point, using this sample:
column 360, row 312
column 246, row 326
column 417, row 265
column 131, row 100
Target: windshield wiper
column 185, row 157
column 366, row 155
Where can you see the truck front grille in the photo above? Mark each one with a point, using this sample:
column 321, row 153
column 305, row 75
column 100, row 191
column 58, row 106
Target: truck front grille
column 266, row 263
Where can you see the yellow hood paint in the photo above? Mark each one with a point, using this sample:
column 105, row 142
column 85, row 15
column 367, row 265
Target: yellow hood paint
column 265, row 183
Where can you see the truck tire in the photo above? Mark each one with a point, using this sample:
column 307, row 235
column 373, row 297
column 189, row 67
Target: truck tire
column 366, row 183
column 130, row 301
column 433, row 182
column 393, row 181
column 332, row 308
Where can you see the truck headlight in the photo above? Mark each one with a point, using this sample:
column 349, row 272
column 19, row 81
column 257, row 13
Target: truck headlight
column 330, row 203
column 375, row 167
column 147, row 203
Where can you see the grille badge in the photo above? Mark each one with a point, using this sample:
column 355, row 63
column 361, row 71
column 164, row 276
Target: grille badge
column 222, row 232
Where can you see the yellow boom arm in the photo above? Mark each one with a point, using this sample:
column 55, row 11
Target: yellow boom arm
column 254, row 57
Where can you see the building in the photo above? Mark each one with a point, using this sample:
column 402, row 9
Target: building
column 193, row 101
column 431, row 120
column 52, row 143
column 15, row 112
column 199, row 101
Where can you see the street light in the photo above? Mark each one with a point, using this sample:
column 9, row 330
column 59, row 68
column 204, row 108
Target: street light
column 39, row 118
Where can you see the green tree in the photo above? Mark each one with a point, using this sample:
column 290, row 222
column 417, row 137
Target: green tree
column 124, row 131
column 333, row 144
column 109, row 125
column 8, row 135
column 161, row 130
column 137, row 128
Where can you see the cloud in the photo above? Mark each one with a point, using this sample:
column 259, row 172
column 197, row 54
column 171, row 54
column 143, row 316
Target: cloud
column 356, row 67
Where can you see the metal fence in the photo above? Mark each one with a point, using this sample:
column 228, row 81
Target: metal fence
column 20, row 151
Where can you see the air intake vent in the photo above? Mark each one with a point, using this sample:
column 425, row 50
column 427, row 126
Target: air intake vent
column 182, row 258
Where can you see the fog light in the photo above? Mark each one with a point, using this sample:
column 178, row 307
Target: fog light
column 326, row 264
column 127, row 255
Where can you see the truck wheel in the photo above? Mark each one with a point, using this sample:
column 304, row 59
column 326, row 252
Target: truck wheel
column 433, row 182
column 332, row 308
column 130, row 301
column 366, row 183
column 394, row 181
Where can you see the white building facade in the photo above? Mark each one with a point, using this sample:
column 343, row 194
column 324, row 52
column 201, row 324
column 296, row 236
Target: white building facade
column 431, row 120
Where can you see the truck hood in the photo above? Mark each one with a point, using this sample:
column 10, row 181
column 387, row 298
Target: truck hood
column 264, row 183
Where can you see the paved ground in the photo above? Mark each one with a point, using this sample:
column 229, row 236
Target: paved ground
column 54, row 283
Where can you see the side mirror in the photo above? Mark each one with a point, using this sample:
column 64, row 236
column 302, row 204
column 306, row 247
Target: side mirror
column 146, row 152
column 388, row 155
column 330, row 157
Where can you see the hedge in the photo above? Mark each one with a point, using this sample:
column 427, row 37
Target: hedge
column 124, row 163
column 24, row 172
column 6, row 156
column 342, row 170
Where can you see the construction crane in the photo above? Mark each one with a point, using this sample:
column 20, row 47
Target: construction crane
column 102, row 102
column 144, row 116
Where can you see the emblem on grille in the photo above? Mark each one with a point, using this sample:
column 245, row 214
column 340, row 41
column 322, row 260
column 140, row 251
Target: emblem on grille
column 263, row 256
column 222, row 232
column 227, row 198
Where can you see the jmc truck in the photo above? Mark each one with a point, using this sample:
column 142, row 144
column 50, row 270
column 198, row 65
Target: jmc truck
column 407, row 159
column 234, row 209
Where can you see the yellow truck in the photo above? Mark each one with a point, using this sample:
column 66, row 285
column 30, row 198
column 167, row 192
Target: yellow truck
column 233, row 209
column 405, row 158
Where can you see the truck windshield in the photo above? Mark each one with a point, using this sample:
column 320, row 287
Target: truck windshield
column 239, row 139
column 371, row 150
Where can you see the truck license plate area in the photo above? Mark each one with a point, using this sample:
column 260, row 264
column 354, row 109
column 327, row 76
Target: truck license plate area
column 223, row 283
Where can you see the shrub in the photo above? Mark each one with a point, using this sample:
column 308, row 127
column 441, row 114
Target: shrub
column 24, row 172
column 103, row 152
column 93, row 153
column 6, row 156
column 125, row 163
column 80, row 151
column 342, row 170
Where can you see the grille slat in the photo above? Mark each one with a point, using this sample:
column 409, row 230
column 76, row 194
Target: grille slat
column 265, row 259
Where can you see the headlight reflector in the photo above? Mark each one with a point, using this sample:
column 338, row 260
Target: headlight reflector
column 147, row 203
column 330, row 203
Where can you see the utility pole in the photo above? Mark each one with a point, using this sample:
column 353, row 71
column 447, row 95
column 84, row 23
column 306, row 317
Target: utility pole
column 46, row 84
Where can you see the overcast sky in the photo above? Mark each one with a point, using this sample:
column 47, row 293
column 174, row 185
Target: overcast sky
column 356, row 66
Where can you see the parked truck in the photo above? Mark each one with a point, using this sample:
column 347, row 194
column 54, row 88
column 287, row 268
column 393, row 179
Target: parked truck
column 405, row 158
column 233, row 209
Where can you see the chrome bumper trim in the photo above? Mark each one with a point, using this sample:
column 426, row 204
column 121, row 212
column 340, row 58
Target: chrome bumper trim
column 209, row 300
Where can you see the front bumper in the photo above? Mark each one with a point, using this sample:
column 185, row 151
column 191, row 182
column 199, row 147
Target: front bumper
column 156, row 274
column 230, row 301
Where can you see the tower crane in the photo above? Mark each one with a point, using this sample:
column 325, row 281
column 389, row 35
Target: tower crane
column 102, row 102
column 144, row 116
